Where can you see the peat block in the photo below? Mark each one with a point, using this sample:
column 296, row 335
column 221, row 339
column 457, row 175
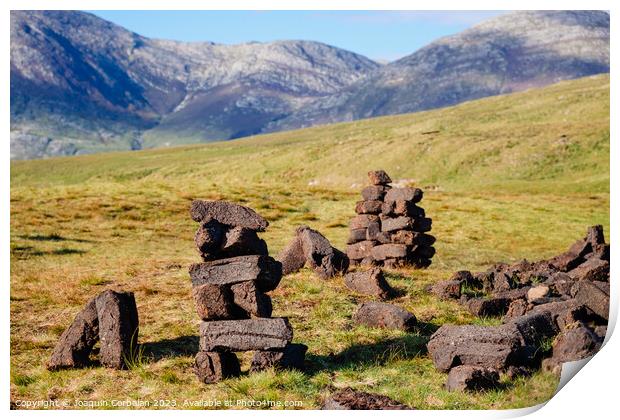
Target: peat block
column 384, row 315
column 371, row 282
column 589, row 294
column 292, row 256
column 379, row 177
column 246, row 334
column 349, row 399
column 262, row 269
column 118, row 327
column 215, row 302
column 228, row 214
column 291, row 357
column 211, row 367
column 75, row 344
column 247, row 297
column 472, row 378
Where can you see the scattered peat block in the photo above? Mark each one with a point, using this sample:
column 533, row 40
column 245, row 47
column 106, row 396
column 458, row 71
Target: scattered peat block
column 494, row 347
column 595, row 235
column 472, row 378
column 532, row 328
column 570, row 345
column 593, row 269
column 370, row 282
column 291, row 357
column 292, row 257
column 448, row 289
column 349, row 399
column 563, row 313
column 560, row 284
column 245, row 334
column 384, row 315
column 566, row 297
column 76, row 342
column 262, row 269
column 212, row 367
column 589, row 294
column 118, row 327
column 247, row 296
column 493, row 306
column 453, row 345
column 569, row 260
column 551, row 365
column 215, row 302
column 321, row 256
column 575, row 344
column 517, row 307
column 228, row 214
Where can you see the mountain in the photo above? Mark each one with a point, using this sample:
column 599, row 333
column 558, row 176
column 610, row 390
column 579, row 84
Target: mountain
column 81, row 84
column 509, row 53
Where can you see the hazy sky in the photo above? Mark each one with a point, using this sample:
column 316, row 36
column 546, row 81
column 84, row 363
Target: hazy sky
column 382, row 35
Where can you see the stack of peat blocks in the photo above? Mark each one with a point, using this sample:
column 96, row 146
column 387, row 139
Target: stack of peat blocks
column 390, row 228
column 229, row 289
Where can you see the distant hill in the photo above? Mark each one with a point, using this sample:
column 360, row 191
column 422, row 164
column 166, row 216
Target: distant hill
column 509, row 53
column 546, row 140
column 80, row 84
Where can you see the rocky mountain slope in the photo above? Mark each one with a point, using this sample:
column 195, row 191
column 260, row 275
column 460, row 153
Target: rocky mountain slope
column 509, row 53
column 80, row 84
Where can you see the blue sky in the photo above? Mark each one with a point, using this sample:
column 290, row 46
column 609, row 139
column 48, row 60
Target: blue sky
column 383, row 35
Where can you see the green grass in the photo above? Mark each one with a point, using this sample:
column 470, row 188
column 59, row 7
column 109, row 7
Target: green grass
column 506, row 178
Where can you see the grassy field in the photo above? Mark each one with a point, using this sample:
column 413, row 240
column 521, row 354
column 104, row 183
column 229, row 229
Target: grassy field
column 505, row 178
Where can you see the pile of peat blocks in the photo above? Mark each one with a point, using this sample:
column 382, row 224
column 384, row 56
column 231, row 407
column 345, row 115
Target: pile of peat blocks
column 554, row 311
column 390, row 228
column 230, row 290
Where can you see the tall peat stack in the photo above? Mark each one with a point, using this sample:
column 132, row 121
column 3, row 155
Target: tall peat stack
column 230, row 290
column 390, row 229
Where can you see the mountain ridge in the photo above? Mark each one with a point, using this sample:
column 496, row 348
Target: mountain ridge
column 74, row 70
column 80, row 84
column 501, row 55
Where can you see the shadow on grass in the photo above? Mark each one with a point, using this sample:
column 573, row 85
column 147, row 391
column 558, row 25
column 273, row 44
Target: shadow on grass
column 396, row 292
column 25, row 252
column 361, row 355
column 54, row 237
column 185, row 345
